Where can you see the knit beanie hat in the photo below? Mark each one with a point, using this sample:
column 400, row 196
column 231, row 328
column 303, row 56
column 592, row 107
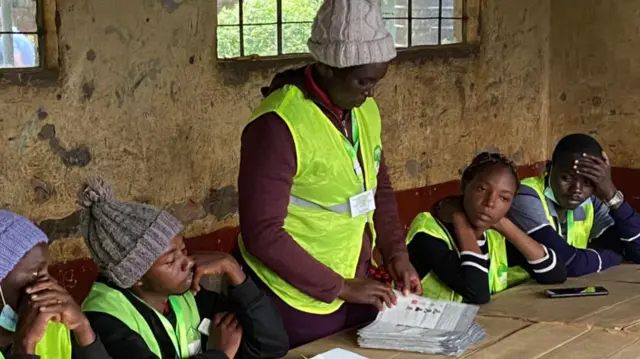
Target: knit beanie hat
column 17, row 237
column 349, row 33
column 124, row 238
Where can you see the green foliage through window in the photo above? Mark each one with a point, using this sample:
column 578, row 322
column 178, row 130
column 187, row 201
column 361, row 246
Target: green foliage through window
column 279, row 27
column 260, row 27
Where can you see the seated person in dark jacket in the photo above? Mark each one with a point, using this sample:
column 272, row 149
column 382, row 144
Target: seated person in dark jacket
column 575, row 209
column 143, row 306
column 466, row 249
column 48, row 323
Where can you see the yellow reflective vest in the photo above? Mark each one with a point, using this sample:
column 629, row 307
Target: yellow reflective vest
column 578, row 232
column 55, row 344
column 319, row 214
column 185, row 337
column 432, row 286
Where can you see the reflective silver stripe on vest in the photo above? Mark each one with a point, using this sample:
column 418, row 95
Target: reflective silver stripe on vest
column 336, row 208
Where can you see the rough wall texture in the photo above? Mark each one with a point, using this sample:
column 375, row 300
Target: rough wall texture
column 144, row 103
column 439, row 114
column 594, row 82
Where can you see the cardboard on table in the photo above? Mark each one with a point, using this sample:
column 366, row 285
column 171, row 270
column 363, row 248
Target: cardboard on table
column 496, row 328
column 630, row 352
column 521, row 323
column 559, row 341
column 528, row 302
column 531, row 342
column 595, row 344
column 634, row 328
column 626, row 273
column 619, row 316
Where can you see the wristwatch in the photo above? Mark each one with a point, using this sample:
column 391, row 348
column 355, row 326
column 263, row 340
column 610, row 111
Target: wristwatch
column 616, row 201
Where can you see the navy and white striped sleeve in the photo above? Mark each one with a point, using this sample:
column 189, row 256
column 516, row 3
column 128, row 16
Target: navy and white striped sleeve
column 467, row 274
column 617, row 228
column 549, row 269
column 476, row 260
column 527, row 212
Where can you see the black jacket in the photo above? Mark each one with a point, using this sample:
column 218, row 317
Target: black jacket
column 263, row 332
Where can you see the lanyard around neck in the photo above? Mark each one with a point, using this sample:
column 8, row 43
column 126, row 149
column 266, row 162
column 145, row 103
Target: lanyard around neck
column 570, row 222
column 353, row 148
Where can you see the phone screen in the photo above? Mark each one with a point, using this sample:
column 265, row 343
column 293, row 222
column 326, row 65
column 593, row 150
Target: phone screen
column 576, row 292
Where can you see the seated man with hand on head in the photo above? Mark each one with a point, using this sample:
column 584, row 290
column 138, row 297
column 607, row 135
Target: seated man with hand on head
column 575, row 209
column 39, row 319
column 143, row 307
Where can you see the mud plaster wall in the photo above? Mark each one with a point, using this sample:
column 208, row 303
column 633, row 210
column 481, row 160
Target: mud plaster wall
column 143, row 102
column 595, row 74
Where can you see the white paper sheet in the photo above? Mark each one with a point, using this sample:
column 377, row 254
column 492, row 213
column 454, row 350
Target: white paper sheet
column 339, row 353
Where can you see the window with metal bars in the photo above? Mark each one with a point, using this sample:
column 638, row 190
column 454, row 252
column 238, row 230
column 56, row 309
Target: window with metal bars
column 20, row 34
column 271, row 28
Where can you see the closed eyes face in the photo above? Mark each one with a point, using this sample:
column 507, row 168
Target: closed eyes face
column 488, row 196
column 352, row 86
column 172, row 272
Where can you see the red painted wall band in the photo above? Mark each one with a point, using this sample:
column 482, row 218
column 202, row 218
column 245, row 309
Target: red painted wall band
column 78, row 275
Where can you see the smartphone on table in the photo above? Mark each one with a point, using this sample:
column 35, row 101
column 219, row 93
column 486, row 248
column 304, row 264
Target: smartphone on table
column 575, row 292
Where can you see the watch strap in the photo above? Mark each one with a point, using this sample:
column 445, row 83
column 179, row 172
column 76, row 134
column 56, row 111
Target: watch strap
column 616, row 200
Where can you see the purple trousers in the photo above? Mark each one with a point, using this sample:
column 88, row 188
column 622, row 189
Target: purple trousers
column 304, row 327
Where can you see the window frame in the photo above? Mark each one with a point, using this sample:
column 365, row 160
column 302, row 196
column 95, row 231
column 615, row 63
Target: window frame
column 279, row 31
column 469, row 45
column 410, row 20
column 46, row 73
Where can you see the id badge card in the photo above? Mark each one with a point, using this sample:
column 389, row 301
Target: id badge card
column 205, row 326
column 195, row 348
column 362, row 203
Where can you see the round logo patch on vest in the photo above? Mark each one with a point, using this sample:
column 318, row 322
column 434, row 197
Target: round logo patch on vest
column 377, row 157
column 502, row 273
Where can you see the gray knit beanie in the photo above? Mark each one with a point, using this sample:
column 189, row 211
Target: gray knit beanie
column 124, row 238
column 349, row 33
column 17, row 237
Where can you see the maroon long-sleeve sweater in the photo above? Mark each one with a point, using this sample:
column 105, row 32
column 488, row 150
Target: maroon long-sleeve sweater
column 267, row 168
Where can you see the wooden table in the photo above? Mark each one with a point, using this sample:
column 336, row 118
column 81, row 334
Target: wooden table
column 523, row 324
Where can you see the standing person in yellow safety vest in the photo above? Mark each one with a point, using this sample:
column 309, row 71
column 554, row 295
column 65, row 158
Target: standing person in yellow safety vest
column 314, row 192
column 39, row 319
column 465, row 249
column 576, row 209
column 143, row 305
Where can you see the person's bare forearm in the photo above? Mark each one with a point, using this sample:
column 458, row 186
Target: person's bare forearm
column 85, row 335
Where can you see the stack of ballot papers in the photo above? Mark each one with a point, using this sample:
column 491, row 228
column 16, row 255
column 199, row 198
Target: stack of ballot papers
column 418, row 324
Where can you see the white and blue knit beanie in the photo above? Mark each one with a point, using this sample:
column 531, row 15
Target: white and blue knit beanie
column 124, row 238
column 18, row 236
